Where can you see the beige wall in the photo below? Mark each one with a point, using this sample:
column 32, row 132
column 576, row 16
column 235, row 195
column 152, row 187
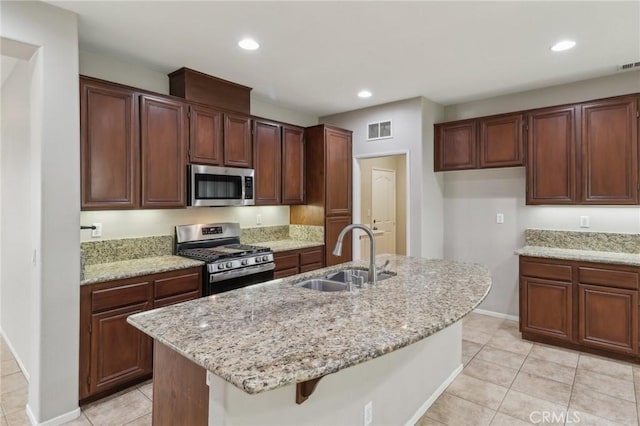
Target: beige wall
column 472, row 198
column 122, row 224
column 412, row 121
column 398, row 164
column 54, row 204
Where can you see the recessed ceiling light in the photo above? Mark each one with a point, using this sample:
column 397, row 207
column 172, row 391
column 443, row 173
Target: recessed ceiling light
column 248, row 44
column 364, row 94
column 563, row 45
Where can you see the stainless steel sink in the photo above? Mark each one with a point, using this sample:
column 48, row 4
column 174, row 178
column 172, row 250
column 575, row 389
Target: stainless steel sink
column 357, row 275
column 322, row 284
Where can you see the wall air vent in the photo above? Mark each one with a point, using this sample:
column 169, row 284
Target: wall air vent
column 630, row 66
column 379, row 130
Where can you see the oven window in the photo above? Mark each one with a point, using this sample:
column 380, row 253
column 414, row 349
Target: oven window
column 218, row 187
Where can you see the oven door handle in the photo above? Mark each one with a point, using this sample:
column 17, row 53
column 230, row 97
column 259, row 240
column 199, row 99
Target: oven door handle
column 250, row 270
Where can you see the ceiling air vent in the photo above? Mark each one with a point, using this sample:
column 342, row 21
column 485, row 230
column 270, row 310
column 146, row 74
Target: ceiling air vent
column 379, row 130
column 629, row 66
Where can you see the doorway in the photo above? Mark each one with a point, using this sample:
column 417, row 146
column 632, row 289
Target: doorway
column 383, row 201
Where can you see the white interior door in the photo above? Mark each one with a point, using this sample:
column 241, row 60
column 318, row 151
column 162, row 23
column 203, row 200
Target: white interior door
column 383, row 208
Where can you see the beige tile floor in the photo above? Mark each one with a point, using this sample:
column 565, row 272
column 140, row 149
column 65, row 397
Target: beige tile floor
column 504, row 381
column 509, row 381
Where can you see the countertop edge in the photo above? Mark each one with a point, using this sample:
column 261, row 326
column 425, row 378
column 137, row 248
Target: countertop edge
column 142, row 269
column 618, row 258
column 248, row 388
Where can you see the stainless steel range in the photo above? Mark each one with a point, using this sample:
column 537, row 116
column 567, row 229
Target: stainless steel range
column 229, row 264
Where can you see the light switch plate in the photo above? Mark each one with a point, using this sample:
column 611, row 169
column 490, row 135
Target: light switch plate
column 499, row 217
column 97, row 232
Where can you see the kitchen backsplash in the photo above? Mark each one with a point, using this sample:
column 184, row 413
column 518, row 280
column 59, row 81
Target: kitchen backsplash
column 107, row 251
column 599, row 241
column 264, row 233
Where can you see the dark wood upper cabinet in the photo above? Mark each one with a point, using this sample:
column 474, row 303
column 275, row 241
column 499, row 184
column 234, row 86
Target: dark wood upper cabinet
column 109, row 146
column 610, row 151
column 293, row 172
column 267, row 162
column 237, row 141
column 455, row 146
column 333, row 226
column 205, row 135
column 551, row 157
column 501, row 141
column 163, row 124
column 337, row 172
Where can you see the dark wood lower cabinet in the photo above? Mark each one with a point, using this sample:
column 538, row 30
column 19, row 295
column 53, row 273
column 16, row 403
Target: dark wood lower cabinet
column 608, row 318
column 548, row 307
column 294, row 262
column 114, row 354
column 121, row 352
column 591, row 307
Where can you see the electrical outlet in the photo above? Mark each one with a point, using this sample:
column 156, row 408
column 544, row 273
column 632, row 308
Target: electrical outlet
column 96, row 233
column 259, row 219
column 499, row 217
column 368, row 413
column 584, row 221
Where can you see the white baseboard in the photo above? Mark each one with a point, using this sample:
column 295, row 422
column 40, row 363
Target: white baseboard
column 25, row 373
column 429, row 402
column 56, row 421
column 496, row 314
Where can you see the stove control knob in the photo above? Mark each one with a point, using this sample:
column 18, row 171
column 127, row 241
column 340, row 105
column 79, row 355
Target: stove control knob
column 244, row 262
column 221, row 266
column 229, row 264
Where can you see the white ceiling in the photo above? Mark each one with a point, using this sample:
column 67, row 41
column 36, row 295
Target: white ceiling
column 315, row 56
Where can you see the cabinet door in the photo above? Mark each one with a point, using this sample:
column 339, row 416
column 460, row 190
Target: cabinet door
column 551, row 156
column 164, row 140
column 293, row 173
column 266, row 161
column 455, row 146
column 608, row 318
column 610, row 152
column 119, row 352
column 205, row 136
column 333, row 227
column 337, row 173
column 237, row 140
column 546, row 308
column 501, row 141
column 109, row 146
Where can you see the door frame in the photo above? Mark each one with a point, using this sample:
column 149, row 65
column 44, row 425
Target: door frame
column 357, row 196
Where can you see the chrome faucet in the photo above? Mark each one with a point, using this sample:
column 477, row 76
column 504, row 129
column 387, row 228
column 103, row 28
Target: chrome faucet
column 337, row 251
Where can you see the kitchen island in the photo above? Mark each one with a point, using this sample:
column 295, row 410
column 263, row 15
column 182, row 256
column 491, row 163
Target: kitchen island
column 263, row 348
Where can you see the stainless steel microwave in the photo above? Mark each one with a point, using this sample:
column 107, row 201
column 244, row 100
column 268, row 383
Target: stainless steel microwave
column 219, row 186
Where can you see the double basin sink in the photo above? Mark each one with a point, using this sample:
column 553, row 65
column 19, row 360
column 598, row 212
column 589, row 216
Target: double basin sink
column 342, row 280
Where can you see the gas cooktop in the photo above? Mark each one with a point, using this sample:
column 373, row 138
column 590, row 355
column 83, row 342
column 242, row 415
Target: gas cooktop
column 229, row 251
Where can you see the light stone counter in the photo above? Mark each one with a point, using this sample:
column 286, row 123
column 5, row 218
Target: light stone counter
column 632, row 259
column 289, row 244
column 270, row 335
column 100, row 272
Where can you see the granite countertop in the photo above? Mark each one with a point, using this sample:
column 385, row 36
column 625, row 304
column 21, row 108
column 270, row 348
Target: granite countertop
column 632, row 259
column 289, row 244
column 275, row 334
column 132, row 268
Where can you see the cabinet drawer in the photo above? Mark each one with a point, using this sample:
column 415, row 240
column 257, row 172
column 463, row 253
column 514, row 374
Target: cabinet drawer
column 110, row 298
column 188, row 282
column 311, row 256
column 310, row 267
column 287, row 261
column 546, row 270
column 608, row 277
column 159, row 303
column 281, row 273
